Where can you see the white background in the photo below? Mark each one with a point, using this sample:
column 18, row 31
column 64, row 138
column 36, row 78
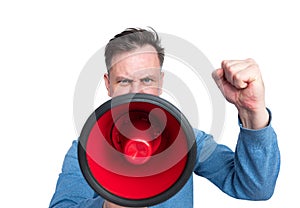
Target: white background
column 44, row 45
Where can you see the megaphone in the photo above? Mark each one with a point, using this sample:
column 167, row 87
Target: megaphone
column 137, row 150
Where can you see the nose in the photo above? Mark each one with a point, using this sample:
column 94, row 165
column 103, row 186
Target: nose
column 136, row 87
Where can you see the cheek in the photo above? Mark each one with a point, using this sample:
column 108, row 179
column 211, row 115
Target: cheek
column 116, row 91
column 152, row 90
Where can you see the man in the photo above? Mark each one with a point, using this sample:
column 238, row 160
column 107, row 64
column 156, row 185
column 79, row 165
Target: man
column 134, row 59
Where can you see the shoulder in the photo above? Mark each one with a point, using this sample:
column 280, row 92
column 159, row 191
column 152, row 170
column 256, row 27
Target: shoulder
column 201, row 136
column 71, row 158
column 73, row 148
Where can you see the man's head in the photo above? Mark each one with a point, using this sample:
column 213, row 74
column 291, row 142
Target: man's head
column 134, row 59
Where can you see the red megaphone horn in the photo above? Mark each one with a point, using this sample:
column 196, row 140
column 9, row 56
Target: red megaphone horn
column 137, row 150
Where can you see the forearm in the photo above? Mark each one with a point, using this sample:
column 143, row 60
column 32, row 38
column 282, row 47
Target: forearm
column 248, row 173
column 257, row 163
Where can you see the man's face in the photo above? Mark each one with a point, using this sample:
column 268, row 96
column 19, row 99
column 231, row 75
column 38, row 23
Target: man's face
column 136, row 71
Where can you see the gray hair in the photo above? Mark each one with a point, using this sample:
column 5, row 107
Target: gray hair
column 131, row 39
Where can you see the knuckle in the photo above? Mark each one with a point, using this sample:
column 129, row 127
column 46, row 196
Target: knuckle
column 225, row 64
column 254, row 67
column 251, row 60
column 236, row 76
column 230, row 71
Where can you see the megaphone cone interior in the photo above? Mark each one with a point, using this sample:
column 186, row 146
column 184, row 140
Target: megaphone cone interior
column 137, row 150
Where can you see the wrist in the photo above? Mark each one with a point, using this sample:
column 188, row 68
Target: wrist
column 254, row 119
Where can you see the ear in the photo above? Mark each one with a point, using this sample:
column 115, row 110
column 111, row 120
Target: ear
column 161, row 82
column 107, row 84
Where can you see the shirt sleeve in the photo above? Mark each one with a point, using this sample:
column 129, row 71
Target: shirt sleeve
column 72, row 191
column 248, row 173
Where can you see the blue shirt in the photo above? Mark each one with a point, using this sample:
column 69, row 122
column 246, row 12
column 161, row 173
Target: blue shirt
column 248, row 173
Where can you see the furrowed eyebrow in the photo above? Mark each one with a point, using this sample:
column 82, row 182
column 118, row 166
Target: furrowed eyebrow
column 122, row 78
column 148, row 77
column 130, row 79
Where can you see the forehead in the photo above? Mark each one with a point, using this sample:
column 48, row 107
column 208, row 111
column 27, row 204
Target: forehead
column 142, row 58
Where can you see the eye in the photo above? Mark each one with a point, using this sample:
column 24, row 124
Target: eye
column 124, row 82
column 147, row 80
